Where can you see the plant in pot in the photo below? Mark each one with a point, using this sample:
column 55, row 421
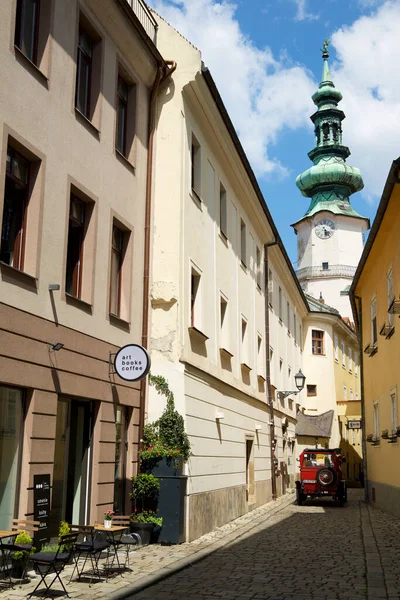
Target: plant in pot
column 19, row 557
column 108, row 518
column 165, row 444
column 144, row 520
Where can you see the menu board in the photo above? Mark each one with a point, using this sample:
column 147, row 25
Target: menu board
column 41, row 503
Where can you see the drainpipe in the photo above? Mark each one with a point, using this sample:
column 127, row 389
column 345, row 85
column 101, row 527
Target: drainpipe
column 164, row 71
column 358, row 314
column 268, row 370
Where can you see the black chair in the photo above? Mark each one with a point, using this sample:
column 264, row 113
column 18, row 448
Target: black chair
column 49, row 563
column 6, row 549
column 124, row 540
column 89, row 546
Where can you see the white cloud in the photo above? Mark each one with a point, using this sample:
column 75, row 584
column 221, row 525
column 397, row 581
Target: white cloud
column 263, row 94
column 302, row 14
column 368, row 53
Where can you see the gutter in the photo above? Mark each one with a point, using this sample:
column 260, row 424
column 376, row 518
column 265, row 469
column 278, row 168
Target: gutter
column 268, row 371
column 164, row 71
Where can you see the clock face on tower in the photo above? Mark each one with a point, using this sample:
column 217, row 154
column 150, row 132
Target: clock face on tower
column 324, row 229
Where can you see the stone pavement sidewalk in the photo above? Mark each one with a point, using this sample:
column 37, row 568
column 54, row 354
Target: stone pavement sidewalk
column 153, row 563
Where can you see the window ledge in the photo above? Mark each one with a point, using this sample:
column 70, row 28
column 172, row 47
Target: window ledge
column 261, row 378
column 198, row 333
column 34, row 69
column 245, row 367
column 196, row 198
column 125, row 161
column 223, row 238
column 87, row 123
column 226, row 352
column 243, row 265
column 118, row 322
column 13, row 275
column 315, row 354
column 78, row 303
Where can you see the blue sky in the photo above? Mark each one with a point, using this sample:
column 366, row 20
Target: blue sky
column 265, row 58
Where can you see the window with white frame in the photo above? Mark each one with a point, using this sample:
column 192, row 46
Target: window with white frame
column 243, row 235
column 356, row 364
column 295, row 328
column 389, row 279
column 374, row 330
column 260, row 356
column 224, row 325
column 376, row 419
column 288, row 316
column 280, row 304
column 258, row 266
column 351, row 394
column 195, row 298
column 336, row 345
column 343, row 354
column 393, row 410
column 301, row 338
column 195, row 156
column 223, row 211
column 356, row 396
column 270, row 288
column 344, row 392
column 350, row 360
column 245, row 342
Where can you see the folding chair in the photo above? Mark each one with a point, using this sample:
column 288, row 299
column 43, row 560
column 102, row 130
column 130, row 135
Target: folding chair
column 87, row 545
column 6, row 548
column 24, row 525
column 48, row 563
column 125, row 540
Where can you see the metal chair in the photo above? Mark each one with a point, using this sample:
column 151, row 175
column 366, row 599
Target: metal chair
column 125, row 540
column 6, row 548
column 88, row 546
column 29, row 526
column 52, row 563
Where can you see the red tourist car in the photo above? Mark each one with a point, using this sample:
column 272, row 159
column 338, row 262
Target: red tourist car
column 321, row 475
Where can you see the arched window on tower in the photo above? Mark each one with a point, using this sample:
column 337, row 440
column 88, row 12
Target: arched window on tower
column 335, row 133
column 325, row 132
column 317, row 134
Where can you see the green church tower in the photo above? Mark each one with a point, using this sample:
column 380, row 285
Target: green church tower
column 330, row 234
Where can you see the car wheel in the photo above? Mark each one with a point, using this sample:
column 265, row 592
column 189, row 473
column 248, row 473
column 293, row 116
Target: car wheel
column 326, row 476
column 299, row 497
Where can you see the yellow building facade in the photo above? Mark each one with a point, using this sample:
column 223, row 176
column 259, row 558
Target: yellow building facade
column 374, row 294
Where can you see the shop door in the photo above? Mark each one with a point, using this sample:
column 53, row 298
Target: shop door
column 72, row 464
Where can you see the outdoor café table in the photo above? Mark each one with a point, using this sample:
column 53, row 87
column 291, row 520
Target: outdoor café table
column 113, row 534
column 5, row 550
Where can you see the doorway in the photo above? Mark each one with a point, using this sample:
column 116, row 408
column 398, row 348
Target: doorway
column 72, row 464
column 250, row 470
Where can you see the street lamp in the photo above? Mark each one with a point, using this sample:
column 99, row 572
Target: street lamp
column 299, row 379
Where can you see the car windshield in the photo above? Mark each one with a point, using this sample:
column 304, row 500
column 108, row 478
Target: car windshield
column 317, row 459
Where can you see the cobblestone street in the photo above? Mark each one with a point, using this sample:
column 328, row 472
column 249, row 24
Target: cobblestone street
column 280, row 551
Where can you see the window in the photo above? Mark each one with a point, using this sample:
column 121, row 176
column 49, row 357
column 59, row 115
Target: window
column 351, row 394
column 288, row 316
column 295, row 328
column 343, row 355
column 389, row 279
column 356, row 396
column 356, row 365
column 195, row 299
column 16, row 196
column 11, row 422
column 317, row 342
column 280, row 304
column 88, row 72
column 350, row 360
column 243, row 242
column 325, row 266
column 376, row 420
column 301, row 338
column 76, row 234
column 393, row 410
column 311, row 389
column 258, row 266
column 117, row 258
column 374, row 333
column 260, row 355
column 224, row 325
column 122, row 115
column 245, row 343
column 27, row 28
column 336, row 347
column 84, row 73
column 196, row 167
column 344, row 392
column 223, row 211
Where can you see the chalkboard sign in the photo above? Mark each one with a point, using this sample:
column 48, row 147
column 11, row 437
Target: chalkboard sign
column 41, row 503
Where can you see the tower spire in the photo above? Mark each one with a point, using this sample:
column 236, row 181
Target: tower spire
column 330, row 181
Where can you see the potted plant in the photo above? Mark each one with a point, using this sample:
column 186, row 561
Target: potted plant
column 108, row 517
column 20, row 557
column 165, row 445
column 144, row 521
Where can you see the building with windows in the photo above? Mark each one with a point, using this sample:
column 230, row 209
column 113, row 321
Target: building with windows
column 74, row 156
column 217, row 262
column 374, row 294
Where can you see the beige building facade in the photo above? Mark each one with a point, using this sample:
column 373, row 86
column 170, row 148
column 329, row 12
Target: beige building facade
column 76, row 77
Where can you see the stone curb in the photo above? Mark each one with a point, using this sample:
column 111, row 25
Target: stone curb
column 183, row 563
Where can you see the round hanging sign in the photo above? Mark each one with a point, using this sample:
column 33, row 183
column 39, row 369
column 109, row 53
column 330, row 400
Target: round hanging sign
column 132, row 362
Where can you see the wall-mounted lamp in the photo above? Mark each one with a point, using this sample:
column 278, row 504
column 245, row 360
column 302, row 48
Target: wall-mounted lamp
column 219, row 415
column 299, row 380
column 57, row 346
column 257, row 427
column 53, row 287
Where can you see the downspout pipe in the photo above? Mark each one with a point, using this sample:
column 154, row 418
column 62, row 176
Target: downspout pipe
column 357, row 310
column 268, row 368
column 164, row 71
